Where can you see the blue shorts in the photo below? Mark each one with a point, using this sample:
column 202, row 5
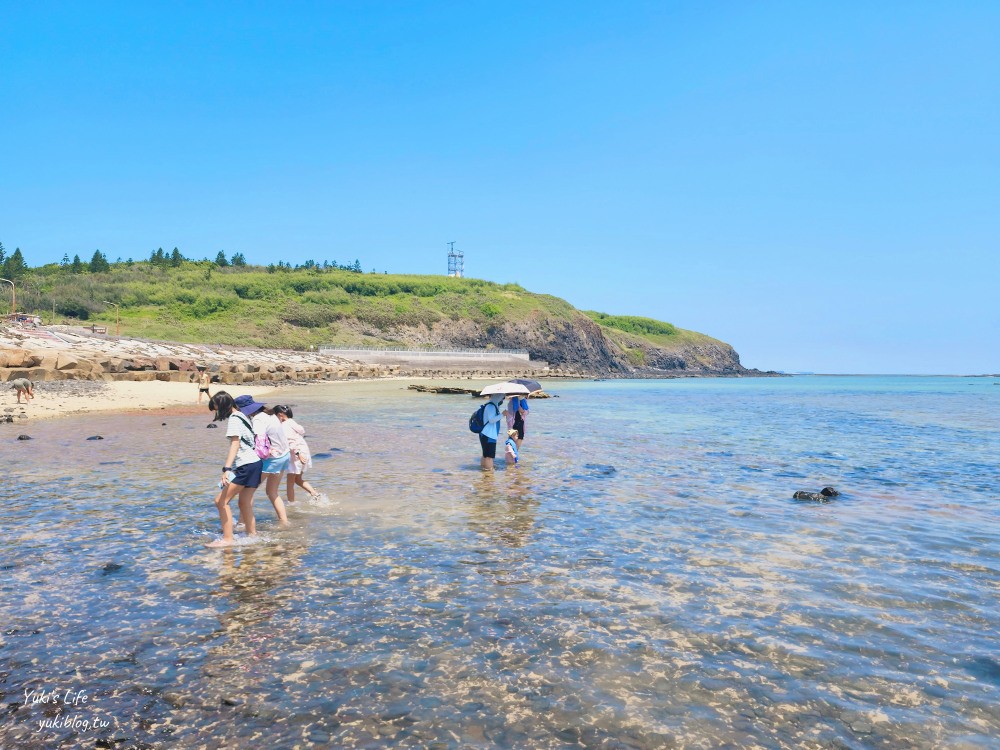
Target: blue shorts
column 248, row 475
column 277, row 465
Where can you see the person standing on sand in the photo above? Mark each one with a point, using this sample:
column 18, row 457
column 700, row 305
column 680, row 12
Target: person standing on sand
column 301, row 457
column 240, row 473
column 204, row 380
column 23, row 386
column 491, row 431
column 265, row 423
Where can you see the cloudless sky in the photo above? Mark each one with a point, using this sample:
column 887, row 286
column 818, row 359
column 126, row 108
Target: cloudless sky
column 817, row 184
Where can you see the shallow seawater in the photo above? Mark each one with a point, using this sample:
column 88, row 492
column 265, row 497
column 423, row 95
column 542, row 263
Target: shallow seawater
column 642, row 580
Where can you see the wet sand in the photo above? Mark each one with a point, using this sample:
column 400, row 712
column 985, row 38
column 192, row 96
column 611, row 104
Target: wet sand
column 74, row 397
column 63, row 398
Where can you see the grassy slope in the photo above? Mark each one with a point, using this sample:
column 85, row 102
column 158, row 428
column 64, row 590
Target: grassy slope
column 200, row 303
column 630, row 331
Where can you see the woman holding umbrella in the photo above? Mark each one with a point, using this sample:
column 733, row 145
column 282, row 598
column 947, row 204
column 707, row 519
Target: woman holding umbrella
column 517, row 408
column 491, row 431
column 491, row 419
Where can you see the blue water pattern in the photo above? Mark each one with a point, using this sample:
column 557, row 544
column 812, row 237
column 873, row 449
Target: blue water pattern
column 643, row 579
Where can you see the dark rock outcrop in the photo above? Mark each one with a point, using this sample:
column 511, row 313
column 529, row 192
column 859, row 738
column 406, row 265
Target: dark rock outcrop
column 823, row 496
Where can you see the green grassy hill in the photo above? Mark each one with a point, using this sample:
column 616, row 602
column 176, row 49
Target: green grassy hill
column 199, row 302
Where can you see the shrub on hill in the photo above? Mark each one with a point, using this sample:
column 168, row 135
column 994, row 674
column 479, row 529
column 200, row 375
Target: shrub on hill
column 633, row 324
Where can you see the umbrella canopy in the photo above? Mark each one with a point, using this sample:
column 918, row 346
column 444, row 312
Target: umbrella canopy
column 531, row 385
column 505, row 388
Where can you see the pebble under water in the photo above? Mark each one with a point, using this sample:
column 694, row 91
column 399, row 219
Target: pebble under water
column 643, row 579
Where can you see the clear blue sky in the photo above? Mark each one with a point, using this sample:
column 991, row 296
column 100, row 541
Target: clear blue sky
column 816, row 183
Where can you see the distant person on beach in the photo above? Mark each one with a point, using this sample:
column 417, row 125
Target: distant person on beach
column 510, row 447
column 204, row 380
column 516, row 412
column 241, row 472
column 23, row 386
column 299, row 449
column 491, row 431
column 265, row 423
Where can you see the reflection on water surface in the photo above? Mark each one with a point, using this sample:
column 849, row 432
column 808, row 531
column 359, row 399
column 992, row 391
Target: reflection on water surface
column 642, row 579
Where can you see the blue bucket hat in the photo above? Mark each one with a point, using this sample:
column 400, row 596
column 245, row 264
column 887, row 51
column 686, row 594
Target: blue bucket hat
column 247, row 405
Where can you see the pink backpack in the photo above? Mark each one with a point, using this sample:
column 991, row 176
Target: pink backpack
column 261, row 442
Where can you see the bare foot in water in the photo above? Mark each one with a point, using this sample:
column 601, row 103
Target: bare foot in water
column 219, row 543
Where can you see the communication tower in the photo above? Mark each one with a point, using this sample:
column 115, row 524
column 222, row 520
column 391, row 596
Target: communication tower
column 456, row 261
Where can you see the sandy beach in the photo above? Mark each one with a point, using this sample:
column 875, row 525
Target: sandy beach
column 65, row 398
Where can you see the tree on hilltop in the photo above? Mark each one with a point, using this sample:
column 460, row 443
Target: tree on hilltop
column 220, row 260
column 176, row 258
column 157, row 257
column 14, row 267
column 238, row 260
column 3, row 255
column 99, row 263
column 77, row 265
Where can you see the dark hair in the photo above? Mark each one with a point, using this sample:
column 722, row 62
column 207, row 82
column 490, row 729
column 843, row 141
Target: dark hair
column 286, row 410
column 222, row 404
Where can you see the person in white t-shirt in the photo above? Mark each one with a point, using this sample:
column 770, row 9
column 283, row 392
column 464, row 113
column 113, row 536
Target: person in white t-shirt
column 241, row 471
column 265, row 423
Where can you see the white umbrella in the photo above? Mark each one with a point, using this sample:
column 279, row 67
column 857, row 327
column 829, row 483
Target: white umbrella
column 505, row 388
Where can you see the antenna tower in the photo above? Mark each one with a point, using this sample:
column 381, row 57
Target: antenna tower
column 456, row 261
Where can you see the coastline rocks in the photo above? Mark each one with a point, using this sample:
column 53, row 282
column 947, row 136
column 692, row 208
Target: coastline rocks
column 444, row 389
column 24, row 437
column 65, row 353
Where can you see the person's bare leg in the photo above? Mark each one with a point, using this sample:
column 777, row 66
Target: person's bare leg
column 486, row 464
column 226, row 494
column 246, row 510
column 272, row 494
column 290, row 487
column 305, row 485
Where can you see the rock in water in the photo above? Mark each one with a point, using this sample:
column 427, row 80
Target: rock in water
column 829, row 492
column 212, row 426
column 815, row 497
column 24, row 437
column 95, row 437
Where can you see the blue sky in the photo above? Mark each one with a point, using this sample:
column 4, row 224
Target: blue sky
column 816, row 183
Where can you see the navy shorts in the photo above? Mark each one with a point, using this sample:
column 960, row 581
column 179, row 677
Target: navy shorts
column 489, row 446
column 248, row 475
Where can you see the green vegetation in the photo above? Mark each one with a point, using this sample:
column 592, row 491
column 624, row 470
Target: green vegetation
column 226, row 301
column 632, row 324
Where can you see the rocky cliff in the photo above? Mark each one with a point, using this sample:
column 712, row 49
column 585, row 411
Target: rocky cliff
column 577, row 344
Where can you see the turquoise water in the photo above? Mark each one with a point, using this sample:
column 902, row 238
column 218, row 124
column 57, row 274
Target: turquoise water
column 642, row 580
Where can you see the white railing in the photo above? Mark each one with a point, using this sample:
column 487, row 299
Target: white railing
column 394, row 354
column 332, row 349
